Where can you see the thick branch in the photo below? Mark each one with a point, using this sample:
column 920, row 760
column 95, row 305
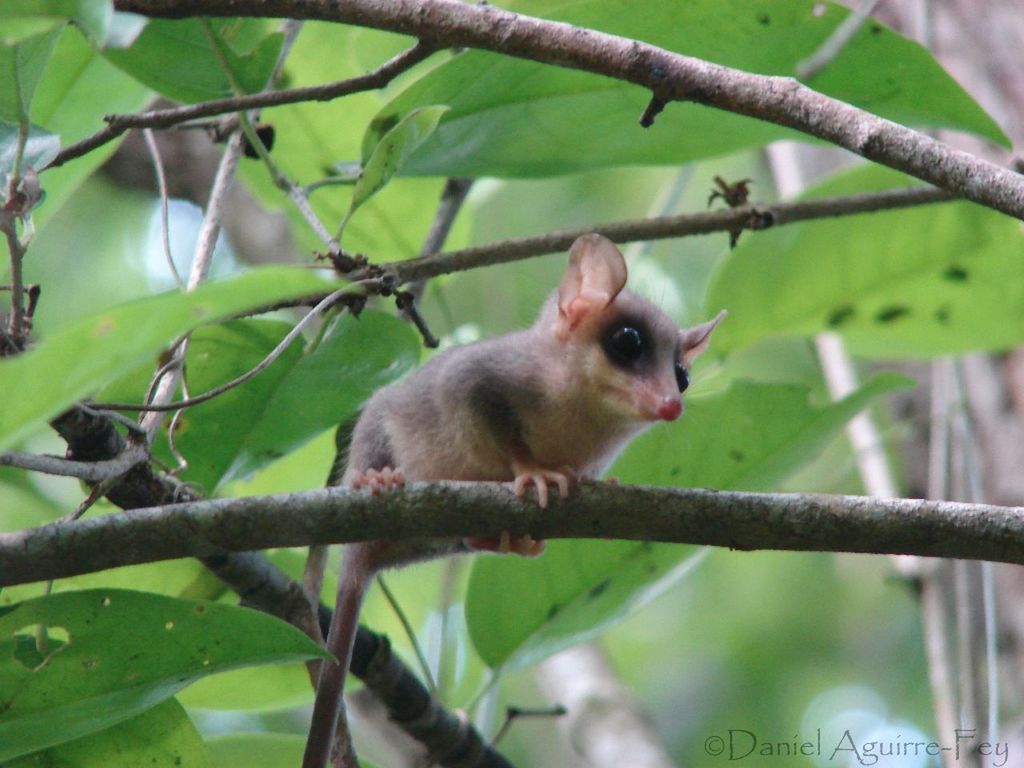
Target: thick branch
column 669, row 76
column 697, row 516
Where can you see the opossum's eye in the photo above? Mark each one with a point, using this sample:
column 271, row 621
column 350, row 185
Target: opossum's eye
column 624, row 344
column 682, row 378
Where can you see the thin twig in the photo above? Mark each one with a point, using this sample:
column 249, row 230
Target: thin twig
column 410, row 633
column 24, row 128
column 313, row 576
column 290, row 28
column 9, row 215
column 15, row 323
column 179, row 457
column 752, row 217
column 452, row 197
column 165, row 228
column 89, row 471
column 514, row 713
column 124, row 421
column 833, row 46
column 96, row 493
column 935, row 622
column 447, row 655
column 210, row 231
column 406, row 303
column 263, row 364
column 165, row 118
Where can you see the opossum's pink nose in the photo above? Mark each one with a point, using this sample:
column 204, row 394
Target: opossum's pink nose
column 670, row 408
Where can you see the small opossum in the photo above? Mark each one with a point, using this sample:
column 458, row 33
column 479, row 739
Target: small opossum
column 545, row 406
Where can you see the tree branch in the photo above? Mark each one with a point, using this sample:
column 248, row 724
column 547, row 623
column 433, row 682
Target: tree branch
column 89, row 471
column 171, row 116
column 669, row 76
column 746, row 521
column 753, row 217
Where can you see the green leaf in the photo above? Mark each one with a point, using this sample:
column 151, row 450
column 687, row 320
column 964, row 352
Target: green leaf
column 40, row 148
column 356, row 357
column 749, row 437
column 296, row 398
column 253, row 750
column 82, row 356
column 21, row 66
column 22, row 505
column 520, row 611
column 16, row 30
column 516, row 118
column 162, row 737
column 386, row 147
column 174, row 578
column 267, row 689
column 155, row 57
column 933, row 280
column 77, row 89
column 113, row 654
column 91, row 16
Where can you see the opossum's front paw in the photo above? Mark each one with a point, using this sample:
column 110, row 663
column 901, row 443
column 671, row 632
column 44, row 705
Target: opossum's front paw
column 524, row 545
column 377, row 480
column 540, row 478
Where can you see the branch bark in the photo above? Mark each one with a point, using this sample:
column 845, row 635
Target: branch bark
column 171, row 116
column 669, row 76
column 753, row 217
column 746, row 521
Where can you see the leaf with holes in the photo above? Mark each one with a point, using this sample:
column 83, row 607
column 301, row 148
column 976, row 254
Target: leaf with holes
column 515, row 118
column 112, row 654
column 520, row 611
column 934, row 280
